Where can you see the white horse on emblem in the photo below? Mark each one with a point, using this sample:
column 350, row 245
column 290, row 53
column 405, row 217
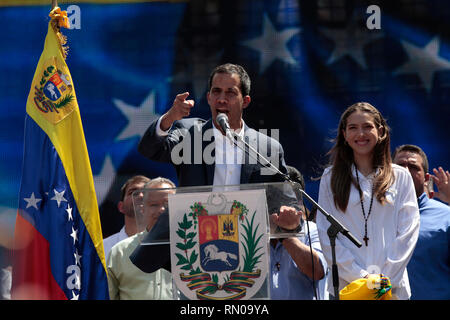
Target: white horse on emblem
column 51, row 89
column 213, row 253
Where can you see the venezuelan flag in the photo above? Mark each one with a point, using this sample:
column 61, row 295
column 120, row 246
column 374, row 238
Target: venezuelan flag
column 58, row 238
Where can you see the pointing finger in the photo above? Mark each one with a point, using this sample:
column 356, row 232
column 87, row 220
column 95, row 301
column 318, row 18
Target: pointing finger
column 182, row 96
column 189, row 102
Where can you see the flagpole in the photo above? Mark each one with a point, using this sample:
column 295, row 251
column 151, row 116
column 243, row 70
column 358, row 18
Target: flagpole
column 54, row 4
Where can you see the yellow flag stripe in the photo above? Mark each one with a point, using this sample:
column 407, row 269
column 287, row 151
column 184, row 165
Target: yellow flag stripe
column 67, row 136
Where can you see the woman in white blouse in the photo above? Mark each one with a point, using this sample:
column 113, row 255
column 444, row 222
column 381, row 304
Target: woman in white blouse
column 373, row 198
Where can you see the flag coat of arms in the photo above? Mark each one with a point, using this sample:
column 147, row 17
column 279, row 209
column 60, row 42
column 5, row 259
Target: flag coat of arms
column 58, row 240
column 219, row 244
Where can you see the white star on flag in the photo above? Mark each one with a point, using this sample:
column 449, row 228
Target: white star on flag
column 59, row 197
column 77, row 257
column 272, row 44
column 32, row 201
column 69, row 212
column 139, row 117
column 74, row 235
column 75, row 296
column 423, row 61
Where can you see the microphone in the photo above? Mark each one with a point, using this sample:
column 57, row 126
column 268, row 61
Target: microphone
column 222, row 120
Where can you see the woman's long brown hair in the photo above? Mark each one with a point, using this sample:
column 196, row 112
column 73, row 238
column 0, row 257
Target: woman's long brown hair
column 341, row 159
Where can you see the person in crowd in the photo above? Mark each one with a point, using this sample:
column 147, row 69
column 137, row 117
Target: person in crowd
column 125, row 206
column 441, row 179
column 296, row 263
column 373, row 198
column 125, row 280
column 429, row 267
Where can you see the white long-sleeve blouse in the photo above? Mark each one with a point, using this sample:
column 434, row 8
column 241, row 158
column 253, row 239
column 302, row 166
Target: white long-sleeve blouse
column 392, row 229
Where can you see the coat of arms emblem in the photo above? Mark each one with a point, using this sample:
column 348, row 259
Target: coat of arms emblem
column 54, row 95
column 219, row 246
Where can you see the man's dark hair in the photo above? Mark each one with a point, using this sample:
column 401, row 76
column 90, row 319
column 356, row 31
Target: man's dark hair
column 414, row 149
column 230, row 68
column 132, row 180
column 296, row 176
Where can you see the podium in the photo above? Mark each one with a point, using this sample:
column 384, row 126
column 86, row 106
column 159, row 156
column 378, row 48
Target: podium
column 215, row 240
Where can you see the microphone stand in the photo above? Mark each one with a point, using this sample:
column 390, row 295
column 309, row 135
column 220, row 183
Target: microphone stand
column 335, row 226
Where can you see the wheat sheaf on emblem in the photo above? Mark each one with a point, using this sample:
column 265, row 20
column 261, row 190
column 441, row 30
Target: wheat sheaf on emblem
column 195, row 225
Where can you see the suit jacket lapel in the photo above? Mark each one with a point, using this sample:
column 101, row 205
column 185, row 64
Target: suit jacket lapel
column 209, row 168
column 249, row 164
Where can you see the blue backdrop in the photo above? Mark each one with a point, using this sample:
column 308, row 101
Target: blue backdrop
column 307, row 60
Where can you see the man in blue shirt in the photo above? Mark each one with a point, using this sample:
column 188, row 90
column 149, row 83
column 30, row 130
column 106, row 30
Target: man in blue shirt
column 291, row 266
column 295, row 267
column 428, row 269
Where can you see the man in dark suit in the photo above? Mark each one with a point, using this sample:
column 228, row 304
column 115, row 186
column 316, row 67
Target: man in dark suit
column 203, row 155
column 199, row 149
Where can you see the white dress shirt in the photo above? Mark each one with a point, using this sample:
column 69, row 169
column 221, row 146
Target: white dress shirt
column 227, row 170
column 228, row 158
column 109, row 242
column 128, row 282
column 392, row 229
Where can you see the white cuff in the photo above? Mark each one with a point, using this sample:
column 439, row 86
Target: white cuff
column 160, row 132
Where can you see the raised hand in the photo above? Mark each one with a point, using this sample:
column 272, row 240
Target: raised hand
column 441, row 179
column 288, row 218
column 181, row 108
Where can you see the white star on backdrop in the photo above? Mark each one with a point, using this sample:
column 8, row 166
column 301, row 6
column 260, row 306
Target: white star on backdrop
column 104, row 179
column 59, row 197
column 272, row 44
column 32, row 201
column 423, row 61
column 139, row 118
column 75, row 296
column 350, row 41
